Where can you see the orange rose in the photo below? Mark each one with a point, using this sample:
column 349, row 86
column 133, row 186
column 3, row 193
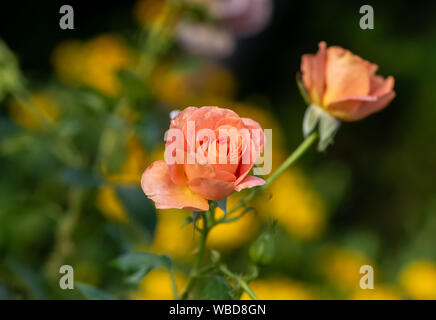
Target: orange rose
column 344, row 84
column 208, row 155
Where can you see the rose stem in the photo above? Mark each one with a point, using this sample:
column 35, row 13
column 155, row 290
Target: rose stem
column 239, row 281
column 302, row 148
column 200, row 251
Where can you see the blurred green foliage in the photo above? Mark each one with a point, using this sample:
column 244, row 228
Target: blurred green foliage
column 82, row 118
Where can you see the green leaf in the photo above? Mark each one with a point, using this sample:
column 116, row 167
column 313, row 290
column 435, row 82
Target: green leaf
column 195, row 215
column 10, row 76
column 138, row 275
column 303, row 90
column 133, row 86
column 188, row 65
column 311, row 119
column 239, row 216
column 139, row 208
column 89, row 99
column 7, row 128
column 113, row 146
column 149, row 132
column 328, row 127
column 16, row 143
column 30, row 278
column 138, row 264
column 92, row 293
column 215, row 257
column 166, row 261
column 362, row 240
column 218, row 289
column 80, row 177
column 188, row 220
column 262, row 251
column 5, row 294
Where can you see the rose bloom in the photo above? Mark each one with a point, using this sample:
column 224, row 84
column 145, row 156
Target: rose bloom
column 344, row 84
column 190, row 184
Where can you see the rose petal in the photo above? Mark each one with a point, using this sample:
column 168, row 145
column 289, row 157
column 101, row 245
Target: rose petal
column 250, row 124
column 345, row 108
column 224, row 176
column 212, row 189
column 230, row 122
column 347, row 75
column 381, row 86
column 176, row 169
column 370, row 107
column 357, row 108
column 177, row 173
column 244, row 168
column 313, row 73
column 158, row 186
column 180, row 120
column 249, row 182
column 197, row 170
column 209, row 117
column 230, row 168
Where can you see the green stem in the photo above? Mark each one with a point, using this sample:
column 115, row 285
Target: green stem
column 200, row 252
column 156, row 39
column 208, row 222
column 239, row 280
column 302, row 148
column 64, row 246
column 105, row 143
column 173, row 285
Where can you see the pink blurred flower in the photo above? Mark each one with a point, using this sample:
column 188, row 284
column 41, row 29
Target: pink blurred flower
column 242, row 17
column 234, row 18
column 204, row 40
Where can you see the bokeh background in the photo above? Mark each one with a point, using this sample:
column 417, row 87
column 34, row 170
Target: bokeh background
column 83, row 111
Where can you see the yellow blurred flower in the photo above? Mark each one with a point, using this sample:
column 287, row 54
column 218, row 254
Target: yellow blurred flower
column 94, row 63
column 35, row 113
column 110, row 205
column 419, row 280
column 134, row 164
column 67, row 59
column 156, row 285
column 279, row 288
column 341, row 267
column 131, row 170
column 233, row 235
column 380, row 292
column 171, row 237
column 294, row 204
column 178, row 85
column 107, row 54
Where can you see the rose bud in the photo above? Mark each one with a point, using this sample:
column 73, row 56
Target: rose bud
column 341, row 85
